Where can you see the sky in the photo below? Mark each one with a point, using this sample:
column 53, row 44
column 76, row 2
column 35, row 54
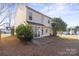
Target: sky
column 6, row 10
column 68, row 12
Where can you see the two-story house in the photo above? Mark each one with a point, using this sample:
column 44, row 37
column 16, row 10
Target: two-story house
column 40, row 22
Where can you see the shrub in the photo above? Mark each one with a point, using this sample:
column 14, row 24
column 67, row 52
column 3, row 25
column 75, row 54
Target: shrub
column 24, row 32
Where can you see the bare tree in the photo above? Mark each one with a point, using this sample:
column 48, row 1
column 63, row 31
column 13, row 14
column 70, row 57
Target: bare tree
column 5, row 8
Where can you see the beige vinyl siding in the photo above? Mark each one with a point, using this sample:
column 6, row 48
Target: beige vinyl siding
column 38, row 21
column 36, row 17
column 20, row 17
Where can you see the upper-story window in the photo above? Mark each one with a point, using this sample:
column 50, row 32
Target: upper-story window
column 48, row 21
column 30, row 15
column 42, row 19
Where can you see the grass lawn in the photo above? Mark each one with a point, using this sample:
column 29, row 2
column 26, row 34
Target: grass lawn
column 4, row 35
column 52, row 46
column 69, row 36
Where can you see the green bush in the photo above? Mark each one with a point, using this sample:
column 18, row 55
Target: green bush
column 24, row 32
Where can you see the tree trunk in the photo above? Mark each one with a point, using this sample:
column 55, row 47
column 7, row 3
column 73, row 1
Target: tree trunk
column 54, row 33
column 12, row 31
column 0, row 35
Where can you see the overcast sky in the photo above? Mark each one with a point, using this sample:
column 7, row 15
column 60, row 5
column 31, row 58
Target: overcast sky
column 69, row 12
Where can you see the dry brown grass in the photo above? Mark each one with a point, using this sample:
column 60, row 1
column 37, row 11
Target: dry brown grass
column 70, row 37
column 40, row 47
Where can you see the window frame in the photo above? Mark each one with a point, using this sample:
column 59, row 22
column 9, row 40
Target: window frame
column 46, row 31
column 30, row 15
column 48, row 21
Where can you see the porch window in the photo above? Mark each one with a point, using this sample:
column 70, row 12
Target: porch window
column 46, row 31
column 35, row 31
column 42, row 30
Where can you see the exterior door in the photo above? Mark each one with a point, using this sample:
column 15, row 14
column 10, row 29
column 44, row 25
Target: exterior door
column 36, row 32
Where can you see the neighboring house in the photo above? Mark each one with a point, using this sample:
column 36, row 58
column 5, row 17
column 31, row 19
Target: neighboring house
column 41, row 23
column 73, row 30
column 77, row 30
column 70, row 31
column 5, row 28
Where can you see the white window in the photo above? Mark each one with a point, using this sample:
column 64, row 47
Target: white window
column 42, row 30
column 30, row 15
column 46, row 30
column 48, row 21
